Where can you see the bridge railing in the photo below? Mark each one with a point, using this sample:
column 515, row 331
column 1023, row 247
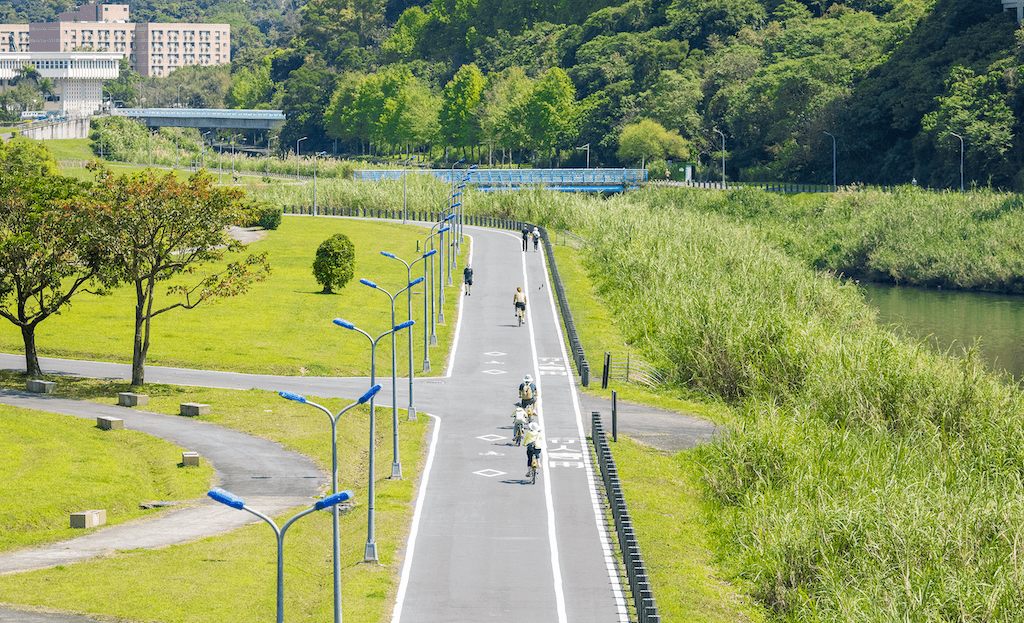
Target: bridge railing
column 516, row 177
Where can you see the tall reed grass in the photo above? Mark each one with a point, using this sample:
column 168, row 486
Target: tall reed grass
column 869, row 478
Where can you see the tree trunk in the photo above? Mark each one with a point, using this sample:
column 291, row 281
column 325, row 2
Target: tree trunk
column 140, row 347
column 28, row 334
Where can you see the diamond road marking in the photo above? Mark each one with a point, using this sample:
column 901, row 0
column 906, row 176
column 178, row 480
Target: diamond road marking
column 495, row 372
column 495, row 354
column 489, row 473
column 493, row 453
column 490, row 437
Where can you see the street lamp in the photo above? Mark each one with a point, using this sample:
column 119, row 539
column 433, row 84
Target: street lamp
column 723, row 157
column 833, row 159
column 101, row 144
column 433, row 331
column 269, row 139
column 233, row 137
column 370, row 553
column 297, row 155
column 440, row 268
column 315, row 158
column 587, row 147
column 195, row 161
column 961, row 160
column 178, row 102
column 405, row 190
column 230, row 499
column 334, row 481
column 408, row 271
column 396, row 465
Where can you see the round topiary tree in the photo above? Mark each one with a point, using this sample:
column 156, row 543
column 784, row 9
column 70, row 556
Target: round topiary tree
column 335, row 262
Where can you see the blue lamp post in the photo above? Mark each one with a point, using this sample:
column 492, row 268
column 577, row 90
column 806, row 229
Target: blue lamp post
column 370, row 554
column 426, row 311
column 334, row 481
column 440, row 268
column 961, row 160
column 396, row 465
column 315, row 158
column 232, row 500
column 408, row 271
column 433, row 332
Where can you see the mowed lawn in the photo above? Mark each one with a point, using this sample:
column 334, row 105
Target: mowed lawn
column 281, row 326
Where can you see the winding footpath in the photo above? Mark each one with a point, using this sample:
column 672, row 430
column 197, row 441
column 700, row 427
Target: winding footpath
column 477, row 523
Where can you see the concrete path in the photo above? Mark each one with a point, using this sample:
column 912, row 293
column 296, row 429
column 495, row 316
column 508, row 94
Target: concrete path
column 477, row 525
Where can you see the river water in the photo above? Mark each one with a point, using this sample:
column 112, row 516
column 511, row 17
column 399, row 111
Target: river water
column 953, row 320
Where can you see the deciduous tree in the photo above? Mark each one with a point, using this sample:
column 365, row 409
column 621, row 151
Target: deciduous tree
column 156, row 228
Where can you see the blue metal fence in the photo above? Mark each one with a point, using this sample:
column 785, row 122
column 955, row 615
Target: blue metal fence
column 492, row 179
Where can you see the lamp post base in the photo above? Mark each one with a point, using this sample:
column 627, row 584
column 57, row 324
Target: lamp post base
column 370, row 555
column 396, row 471
column 412, row 414
column 426, row 364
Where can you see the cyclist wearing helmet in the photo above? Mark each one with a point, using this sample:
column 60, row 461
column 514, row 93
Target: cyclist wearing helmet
column 527, row 393
column 534, row 440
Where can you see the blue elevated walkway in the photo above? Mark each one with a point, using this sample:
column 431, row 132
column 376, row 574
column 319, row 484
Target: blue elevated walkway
column 566, row 180
column 204, row 117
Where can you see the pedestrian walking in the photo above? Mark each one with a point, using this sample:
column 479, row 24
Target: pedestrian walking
column 526, row 237
column 536, row 238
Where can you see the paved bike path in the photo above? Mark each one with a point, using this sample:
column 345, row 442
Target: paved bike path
column 479, row 527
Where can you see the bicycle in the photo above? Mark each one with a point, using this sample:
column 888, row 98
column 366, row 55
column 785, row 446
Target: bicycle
column 517, row 436
column 520, row 312
column 533, row 470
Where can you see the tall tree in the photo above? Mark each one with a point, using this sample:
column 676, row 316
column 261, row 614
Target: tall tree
column 156, row 228
column 48, row 252
column 551, row 112
column 458, row 101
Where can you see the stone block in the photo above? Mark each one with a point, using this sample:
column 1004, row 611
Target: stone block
column 110, row 423
column 192, row 409
column 88, row 519
column 40, row 387
column 190, row 458
column 131, row 399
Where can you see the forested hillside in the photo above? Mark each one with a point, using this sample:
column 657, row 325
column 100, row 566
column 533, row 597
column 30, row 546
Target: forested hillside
column 529, row 82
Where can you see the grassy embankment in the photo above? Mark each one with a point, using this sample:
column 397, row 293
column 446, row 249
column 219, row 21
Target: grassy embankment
column 282, row 326
column 864, row 477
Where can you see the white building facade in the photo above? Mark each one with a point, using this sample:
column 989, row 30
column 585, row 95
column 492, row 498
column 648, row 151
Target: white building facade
column 77, row 76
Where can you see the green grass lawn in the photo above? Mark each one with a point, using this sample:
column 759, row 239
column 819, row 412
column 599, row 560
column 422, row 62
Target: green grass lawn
column 229, row 576
column 55, row 465
column 282, row 326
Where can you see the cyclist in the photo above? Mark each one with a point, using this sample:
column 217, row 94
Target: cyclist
column 528, row 394
column 519, row 421
column 519, row 299
column 467, row 277
column 534, row 440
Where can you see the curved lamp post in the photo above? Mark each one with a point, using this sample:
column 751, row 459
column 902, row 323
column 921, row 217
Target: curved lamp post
column 408, row 271
column 433, row 327
column 101, row 145
column 297, row 155
column 440, row 267
column 334, row 481
column 370, row 553
column 315, row 158
column 396, row 464
column 961, row 160
column 723, row 157
column 232, row 500
column 833, row 159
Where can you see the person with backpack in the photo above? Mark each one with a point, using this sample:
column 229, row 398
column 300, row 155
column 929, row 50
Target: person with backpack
column 528, row 394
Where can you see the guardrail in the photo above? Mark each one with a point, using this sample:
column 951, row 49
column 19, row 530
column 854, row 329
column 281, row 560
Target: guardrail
column 629, row 546
column 516, row 177
column 575, row 346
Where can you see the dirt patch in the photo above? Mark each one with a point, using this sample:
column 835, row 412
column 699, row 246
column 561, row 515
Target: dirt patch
column 245, row 235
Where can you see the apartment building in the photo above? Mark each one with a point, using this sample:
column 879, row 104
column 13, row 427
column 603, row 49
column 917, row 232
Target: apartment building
column 152, row 49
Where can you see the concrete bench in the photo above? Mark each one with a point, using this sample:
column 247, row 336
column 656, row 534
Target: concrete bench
column 40, row 387
column 192, row 409
column 109, row 423
column 131, row 399
column 190, row 458
column 88, row 519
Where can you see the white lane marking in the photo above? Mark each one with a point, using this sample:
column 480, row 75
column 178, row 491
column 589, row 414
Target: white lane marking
column 489, row 473
column 458, row 323
column 417, row 514
column 595, row 496
column 490, row 437
column 556, row 569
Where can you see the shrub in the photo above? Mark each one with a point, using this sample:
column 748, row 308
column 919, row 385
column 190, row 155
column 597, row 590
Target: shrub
column 335, row 262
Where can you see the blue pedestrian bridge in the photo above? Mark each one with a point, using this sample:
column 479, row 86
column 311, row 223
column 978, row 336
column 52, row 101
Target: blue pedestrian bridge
column 204, row 117
column 565, row 180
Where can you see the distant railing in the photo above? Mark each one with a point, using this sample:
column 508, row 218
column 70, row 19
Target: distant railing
column 630, row 370
column 517, row 177
column 568, row 239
